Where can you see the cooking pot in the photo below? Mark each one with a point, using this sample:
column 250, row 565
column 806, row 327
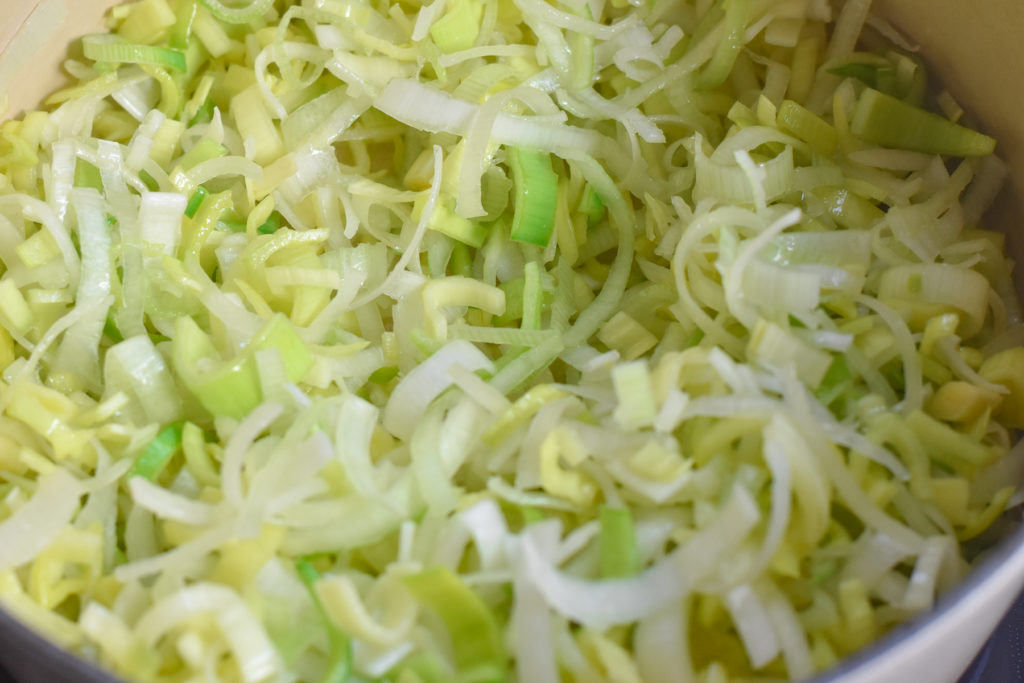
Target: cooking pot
column 974, row 48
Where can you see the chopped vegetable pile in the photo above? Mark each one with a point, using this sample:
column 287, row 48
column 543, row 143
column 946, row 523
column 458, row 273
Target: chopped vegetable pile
column 493, row 340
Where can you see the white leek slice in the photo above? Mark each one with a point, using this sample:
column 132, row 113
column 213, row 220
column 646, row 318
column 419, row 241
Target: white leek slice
column 246, row 638
column 421, row 106
column 37, row 523
column 427, row 381
column 618, row 601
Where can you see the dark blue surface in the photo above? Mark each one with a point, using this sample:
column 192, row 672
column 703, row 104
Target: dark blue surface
column 1002, row 660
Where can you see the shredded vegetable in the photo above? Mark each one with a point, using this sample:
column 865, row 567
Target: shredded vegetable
column 494, row 340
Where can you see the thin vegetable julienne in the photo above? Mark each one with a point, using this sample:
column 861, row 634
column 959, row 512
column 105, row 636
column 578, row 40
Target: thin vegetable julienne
column 106, row 48
column 475, row 633
column 536, row 191
column 339, row 664
column 618, row 542
column 158, row 453
column 884, row 120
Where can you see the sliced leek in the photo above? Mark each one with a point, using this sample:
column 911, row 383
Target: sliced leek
column 489, row 341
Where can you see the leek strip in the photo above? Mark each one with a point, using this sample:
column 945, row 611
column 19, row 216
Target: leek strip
column 116, row 640
column 778, row 460
column 158, row 453
column 792, row 636
column 468, row 203
column 453, row 58
column 170, row 92
column 581, row 54
column 884, row 120
column 246, row 639
column 320, row 122
column 754, row 625
column 457, row 30
column 78, row 313
column 848, row 26
column 531, row 296
column 615, row 601
column 238, row 15
column 500, row 335
column 617, row 543
column 339, row 664
column 688, row 308
column 203, row 226
column 549, row 14
column 588, row 103
column 536, row 187
column 421, row 106
column 195, row 549
column 135, row 369
column 427, row 15
column 457, row 291
column 476, row 637
column 561, row 307
column 733, row 280
column 170, row 506
column 615, row 284
column 181, row 32
column 414, row 243
column 207, row 170
column 430, row 471
column 269, row 53
column 661, row 643
column 264, row 249
column 832, row 464
column 231, row 387
column 533, row 635
column 938, row 284
column 234, row 453
column 527, row 365
column 913, row 389
column 717, row 70
column 36, row 210
column 195, row 201
column 78, row 353
column 480, row 391
column 808, row 126
column 410, row 398
column 38, row 522
column 108, row 48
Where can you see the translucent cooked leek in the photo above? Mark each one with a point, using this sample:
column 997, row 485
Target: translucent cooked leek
column 883, row 120
column 107, row 48
column 618, row 543
column 474, row 631
column 158, row 453
column 536, row 188
column 339, row 665
column 459, row 27
column 195, row 201
column 238, row 13
column 471, row 341
column 231, row 387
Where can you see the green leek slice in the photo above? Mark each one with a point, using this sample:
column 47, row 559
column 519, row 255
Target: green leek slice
column 109, row 48
column 158, row 453
column 536, row 196
column 475, row 634
column 884, row 120
column 232, row 387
